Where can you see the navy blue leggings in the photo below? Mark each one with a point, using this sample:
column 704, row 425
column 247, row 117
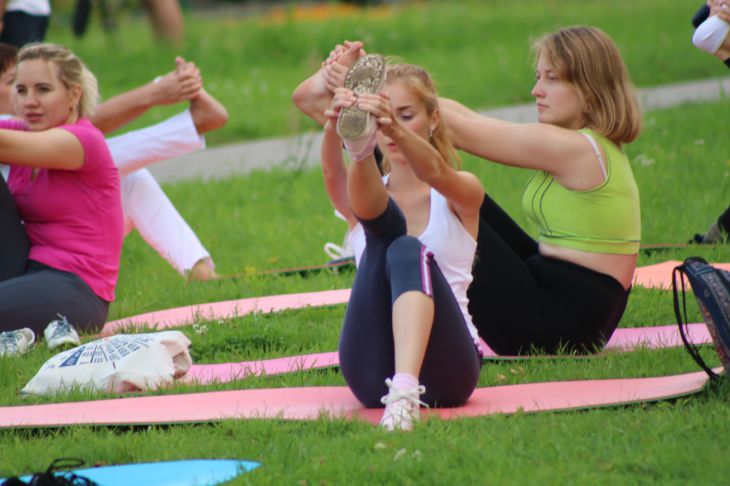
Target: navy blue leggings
column 521, row 301
column 392, row 264
column 31, row 293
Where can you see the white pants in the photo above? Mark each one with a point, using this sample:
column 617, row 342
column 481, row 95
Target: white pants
column 145, row 205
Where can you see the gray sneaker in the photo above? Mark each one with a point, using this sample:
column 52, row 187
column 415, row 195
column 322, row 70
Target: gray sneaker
column 16, row 342
column 60, row 332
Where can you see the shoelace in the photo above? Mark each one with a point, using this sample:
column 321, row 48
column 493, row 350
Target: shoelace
column 336, row 252
column 8, row 340
column 62, row 328
column 411, row 395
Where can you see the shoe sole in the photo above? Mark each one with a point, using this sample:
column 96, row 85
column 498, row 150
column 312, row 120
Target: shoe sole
column 367, row 75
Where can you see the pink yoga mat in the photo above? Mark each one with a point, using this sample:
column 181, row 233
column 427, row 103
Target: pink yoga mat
column 314, row 402
column 624, row 339
column 181, row 316
column 653, row 276
column 659, row 276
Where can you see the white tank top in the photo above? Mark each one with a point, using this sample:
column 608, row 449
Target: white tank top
column 452, row 246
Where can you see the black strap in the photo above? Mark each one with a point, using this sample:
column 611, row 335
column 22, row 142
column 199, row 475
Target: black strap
column 682, row 323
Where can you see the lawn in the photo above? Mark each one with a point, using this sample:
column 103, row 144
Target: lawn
column 266, row 220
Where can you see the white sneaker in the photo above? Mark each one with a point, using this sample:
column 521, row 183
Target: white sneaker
column 402, row 408
column 337, row 252
column 355, row 126
column 60, row 332
column 16, row 342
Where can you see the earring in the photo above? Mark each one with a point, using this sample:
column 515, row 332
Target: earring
column 430, row 133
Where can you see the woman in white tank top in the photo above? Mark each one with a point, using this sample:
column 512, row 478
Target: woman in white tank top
column 414, row 234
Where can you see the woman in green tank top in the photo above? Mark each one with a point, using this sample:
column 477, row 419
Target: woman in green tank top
column 570, row 285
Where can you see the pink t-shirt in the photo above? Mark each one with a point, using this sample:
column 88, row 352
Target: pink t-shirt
column 73, row 218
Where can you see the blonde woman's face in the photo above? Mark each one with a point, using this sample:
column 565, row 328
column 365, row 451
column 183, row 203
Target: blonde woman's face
column 410, row 113
column 41, row 99
column 558, row 102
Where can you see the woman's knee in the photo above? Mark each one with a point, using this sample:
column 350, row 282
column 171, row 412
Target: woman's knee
column 407, row 267
column 405, row 250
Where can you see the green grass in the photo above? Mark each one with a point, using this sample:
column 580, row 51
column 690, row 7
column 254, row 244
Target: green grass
column 248, row 223
column 281, row 218
column 478, row 52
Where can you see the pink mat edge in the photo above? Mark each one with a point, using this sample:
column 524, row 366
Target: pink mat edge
column 623, row 339
column 674, row 386
column 652, row 276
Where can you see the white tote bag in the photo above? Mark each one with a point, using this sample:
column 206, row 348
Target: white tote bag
column 120, row 363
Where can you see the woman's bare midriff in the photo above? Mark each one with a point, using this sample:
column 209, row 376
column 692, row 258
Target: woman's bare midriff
column 620, row 267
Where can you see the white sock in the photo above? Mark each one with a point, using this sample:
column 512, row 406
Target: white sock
column 711, row 34
column 405, row 382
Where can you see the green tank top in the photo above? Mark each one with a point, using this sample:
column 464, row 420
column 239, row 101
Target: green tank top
column 605, row 219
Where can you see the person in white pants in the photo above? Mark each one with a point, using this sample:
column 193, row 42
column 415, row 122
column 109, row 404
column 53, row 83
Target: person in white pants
column 146, row 207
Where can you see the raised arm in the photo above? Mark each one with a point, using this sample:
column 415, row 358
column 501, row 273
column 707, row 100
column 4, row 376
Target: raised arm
column 334, row 171
column 463, row 190
column 184, row 83
column 564, row 153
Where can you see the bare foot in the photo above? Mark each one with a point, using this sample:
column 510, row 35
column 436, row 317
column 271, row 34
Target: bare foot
column 313, row 95
column 207, row 112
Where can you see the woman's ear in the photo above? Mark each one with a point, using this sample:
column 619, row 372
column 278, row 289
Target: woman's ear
column 75, row 94
column 435, row 121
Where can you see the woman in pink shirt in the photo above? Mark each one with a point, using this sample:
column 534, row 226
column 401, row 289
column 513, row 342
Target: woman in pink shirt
column 60, row 212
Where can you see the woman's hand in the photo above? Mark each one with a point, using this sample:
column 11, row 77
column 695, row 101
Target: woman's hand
column 184, row 83
column 343, row 98
column 378, row 105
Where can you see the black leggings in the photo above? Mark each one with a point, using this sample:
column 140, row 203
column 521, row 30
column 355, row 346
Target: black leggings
column 521, row 301
column 391, row 265
column 33, row 294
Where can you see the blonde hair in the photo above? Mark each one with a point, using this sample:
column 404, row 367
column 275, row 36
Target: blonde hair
column 421, row 84
column 71, row 72
column 588, row 59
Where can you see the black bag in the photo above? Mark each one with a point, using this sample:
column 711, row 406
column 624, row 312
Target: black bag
column 53, row 477
column 711, row 287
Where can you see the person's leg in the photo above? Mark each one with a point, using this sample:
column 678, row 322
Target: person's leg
column 167, row 20
column 718, row 232
column 504, row 298
column 174, row 137
column 493, row 216
column 20, row 28
column 36, row 298
column 724, row 221
column 712, row 36
column 392, row 268
column 520, row 300
column 700, row 15
column 582, row 307
column 147, row 208
column 366, row 343
column 432, row 340
column 14, row 244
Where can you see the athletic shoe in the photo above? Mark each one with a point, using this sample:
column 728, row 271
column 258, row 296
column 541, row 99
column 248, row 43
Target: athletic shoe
column 60, row 332
column 402, row 408
column 714, row 234
column 355, row 126
column 337, row 252
column 16, row 342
